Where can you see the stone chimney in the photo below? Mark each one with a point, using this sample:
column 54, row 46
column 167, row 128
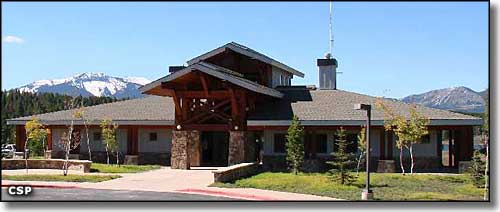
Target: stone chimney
column 327, row 73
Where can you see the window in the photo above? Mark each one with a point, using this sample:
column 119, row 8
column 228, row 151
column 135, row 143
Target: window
column 352, row 143
column 281, row 79
column 97, row 136
column 279, row 143
column 321, row 143
column 426, row 139
column 153, row 136
column 314, row 143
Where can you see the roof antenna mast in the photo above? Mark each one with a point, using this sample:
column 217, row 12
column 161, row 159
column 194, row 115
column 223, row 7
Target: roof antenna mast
column 331, row 34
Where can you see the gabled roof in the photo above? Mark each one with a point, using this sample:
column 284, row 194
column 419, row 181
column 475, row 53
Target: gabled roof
column 218, row 72
column 248, row 52
column 313, row 107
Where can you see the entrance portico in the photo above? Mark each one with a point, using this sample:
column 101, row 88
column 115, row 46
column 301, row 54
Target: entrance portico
column 210, row 98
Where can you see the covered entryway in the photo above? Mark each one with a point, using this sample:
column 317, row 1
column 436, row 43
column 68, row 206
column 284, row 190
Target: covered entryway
column 214, row 148
column 211, row 108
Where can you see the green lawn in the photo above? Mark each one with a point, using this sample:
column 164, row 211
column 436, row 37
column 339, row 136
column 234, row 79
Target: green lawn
column 104, row 168
column 68, row 178
column 386, row 186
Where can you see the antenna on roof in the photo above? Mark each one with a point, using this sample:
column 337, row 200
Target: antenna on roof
column 331, row 34
column 329, row 55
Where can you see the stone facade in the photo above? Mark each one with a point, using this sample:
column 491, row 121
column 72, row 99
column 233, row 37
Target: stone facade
column 194, row 148
column 237, row 140
column 80, row 165
column 131, row 160
column 464, row 166
column 150, row 158
column 182, row 142
column 386, row 166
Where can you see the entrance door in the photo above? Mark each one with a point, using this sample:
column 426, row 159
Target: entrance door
column 214, row 148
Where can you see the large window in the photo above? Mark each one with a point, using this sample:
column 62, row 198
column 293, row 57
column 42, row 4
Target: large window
column 321, row 143
column 279, row 143
column 426, row 139
column 153, row 136
column 97, row 136
column 352, row 140
column 314, row 144
column 352, row 143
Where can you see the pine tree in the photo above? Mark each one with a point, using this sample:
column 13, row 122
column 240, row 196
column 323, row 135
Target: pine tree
column 295, row 146
column 477, row 169
column 16, row 104
column 342, row 161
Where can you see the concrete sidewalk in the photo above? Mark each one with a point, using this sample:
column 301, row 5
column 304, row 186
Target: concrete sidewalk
column 165, row 179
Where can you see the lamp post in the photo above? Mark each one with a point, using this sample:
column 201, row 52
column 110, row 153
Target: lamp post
column 367, row 194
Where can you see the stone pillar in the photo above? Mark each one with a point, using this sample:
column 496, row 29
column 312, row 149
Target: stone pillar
column 194, row 148
column 179, row 152
column 236, row 147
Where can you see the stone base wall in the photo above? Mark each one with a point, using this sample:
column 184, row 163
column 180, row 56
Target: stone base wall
column 131, row 160
column 274, row 163
column 464, row 166
column 422, row 164
column 235, row 172
column 80, row 165
column 386, row 166
column 278, row 163
column 150, row 158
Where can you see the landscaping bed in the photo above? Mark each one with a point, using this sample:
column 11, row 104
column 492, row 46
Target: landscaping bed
column 60, row 178
column 105, row 168
column 386, row 186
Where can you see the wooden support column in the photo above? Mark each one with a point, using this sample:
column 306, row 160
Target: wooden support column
column 450, row 147
column 20, row 138
column 314, row 142
column 49, row 139
column 133, row 141
column 439, row 147
column 382, row 144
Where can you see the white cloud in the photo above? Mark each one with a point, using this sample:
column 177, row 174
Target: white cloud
column 12, row 39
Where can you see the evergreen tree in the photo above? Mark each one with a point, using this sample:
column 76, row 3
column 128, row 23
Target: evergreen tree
column 477, row 169
column 17, row 104
column 342, row 161
column 294, row 145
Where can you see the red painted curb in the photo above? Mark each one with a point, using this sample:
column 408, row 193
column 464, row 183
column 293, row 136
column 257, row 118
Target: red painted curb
column 228, row 194
column 40, row 186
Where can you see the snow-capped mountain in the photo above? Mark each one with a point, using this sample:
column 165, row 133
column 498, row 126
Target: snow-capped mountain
column 461, row 99
column 90, row 84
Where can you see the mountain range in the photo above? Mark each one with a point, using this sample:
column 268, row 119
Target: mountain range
column 461, row 99
column 90, row 84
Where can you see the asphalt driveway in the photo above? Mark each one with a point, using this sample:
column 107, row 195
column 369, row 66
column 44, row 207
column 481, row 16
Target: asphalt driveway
column 82, row 194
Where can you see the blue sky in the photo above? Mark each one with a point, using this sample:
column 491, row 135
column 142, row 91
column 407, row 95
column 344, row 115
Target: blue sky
column 384, row 49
